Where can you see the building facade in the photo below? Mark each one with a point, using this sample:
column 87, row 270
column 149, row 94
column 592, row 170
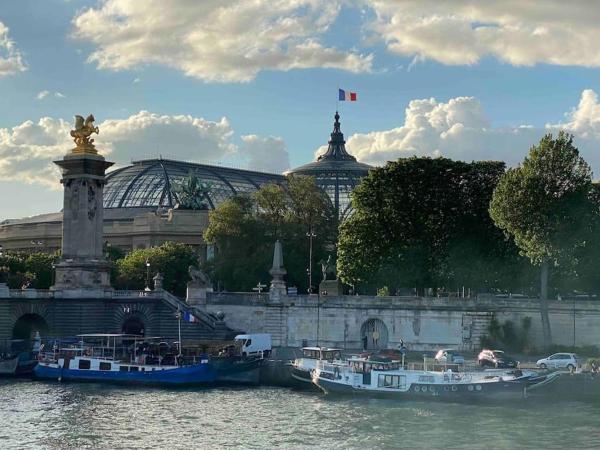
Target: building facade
column 140, row 200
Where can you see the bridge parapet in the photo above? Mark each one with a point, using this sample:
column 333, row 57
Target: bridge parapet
column 31, row 293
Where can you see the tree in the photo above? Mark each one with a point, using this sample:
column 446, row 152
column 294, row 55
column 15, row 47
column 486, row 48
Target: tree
column 244, row 229
column 546, row 205
column 171, row 259
column 32, row 269
column 422, row 222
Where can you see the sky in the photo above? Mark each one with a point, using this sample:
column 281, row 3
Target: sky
column 253, row 83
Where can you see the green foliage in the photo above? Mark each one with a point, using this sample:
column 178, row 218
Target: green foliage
column 244, row 229
column 422, row 222
column 383, row 292
column 113, row 254
column 191, row 192
column 34, row 269
column 546, row 203
column 171, row 259
column 507, row 335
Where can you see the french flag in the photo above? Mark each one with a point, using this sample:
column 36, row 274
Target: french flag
column 347, row 96
column 188, row 317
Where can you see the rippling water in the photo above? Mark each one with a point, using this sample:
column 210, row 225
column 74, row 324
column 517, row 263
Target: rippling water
column 64, row 416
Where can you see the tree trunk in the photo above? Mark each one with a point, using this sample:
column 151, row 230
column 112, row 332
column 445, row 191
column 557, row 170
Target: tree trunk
column 544, row 305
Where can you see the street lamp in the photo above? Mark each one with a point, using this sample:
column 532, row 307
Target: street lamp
column 147, row 289
column 310, row 235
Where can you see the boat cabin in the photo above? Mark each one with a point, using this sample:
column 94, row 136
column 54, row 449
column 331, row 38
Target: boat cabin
column 322, row 353
column 367, row 365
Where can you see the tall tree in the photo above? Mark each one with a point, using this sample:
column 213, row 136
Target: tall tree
column 546, row 205
column 422, row 222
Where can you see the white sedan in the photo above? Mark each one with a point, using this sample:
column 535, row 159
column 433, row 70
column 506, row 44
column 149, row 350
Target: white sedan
column 568, row 361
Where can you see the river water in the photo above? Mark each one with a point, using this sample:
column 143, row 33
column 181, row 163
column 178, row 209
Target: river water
column 68, row 416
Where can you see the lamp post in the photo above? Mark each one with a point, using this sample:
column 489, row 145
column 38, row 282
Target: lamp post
column 573, row 323
column 147, row 289
column 318, row 314
column 310, row 235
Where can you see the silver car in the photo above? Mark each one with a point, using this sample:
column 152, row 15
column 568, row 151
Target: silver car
column 568, row 361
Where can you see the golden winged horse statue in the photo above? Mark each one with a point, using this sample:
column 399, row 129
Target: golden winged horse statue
column 81, row 134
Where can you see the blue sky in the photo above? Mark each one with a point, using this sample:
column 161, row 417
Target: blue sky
column 253, row 84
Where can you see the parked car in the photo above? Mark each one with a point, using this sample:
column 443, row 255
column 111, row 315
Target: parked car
column 449, row 356
column 497, row 359
column 568, row 361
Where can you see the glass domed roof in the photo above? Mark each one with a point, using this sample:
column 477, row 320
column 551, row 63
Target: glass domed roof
column 149, row 183
column 336, row 171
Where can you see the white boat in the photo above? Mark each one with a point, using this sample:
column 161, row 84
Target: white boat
column 302, row 367
column 390, row 379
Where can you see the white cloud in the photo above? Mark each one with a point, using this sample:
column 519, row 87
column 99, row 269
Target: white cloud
column 42, row 95
column 145, row 134
column 27, row 150
column 266, row 154
column 11, row 60
column 518, row 32
column 460, row 129
column 215, row 40
column 45, row 94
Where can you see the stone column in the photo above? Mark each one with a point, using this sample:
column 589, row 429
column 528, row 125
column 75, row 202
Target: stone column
column 82, row 264
column 278, row 287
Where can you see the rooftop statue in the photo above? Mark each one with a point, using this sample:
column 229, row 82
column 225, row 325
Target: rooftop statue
column 81, row 135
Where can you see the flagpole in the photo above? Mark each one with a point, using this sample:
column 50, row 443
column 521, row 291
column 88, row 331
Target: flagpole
column 337, row 99
column 179, row 327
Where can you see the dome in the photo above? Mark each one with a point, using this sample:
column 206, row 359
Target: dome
column 149, row 183
column 336, row 171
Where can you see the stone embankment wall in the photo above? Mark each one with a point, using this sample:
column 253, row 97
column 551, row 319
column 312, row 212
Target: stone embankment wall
column 423, row 323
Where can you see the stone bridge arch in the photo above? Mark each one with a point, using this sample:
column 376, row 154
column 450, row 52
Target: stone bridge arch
column 28, row 318
column 133, row 318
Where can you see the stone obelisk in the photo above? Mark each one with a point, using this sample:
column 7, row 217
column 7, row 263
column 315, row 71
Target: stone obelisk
column 278, row 288
column 82, row 265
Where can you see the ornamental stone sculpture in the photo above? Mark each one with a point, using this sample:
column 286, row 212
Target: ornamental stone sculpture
column 81, row 135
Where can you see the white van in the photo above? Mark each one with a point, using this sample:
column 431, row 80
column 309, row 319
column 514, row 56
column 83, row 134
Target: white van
column 255, row 344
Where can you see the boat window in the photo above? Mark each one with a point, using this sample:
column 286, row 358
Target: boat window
column 134, row 368
column 84, row 364
column 124, row 368
column 426, row 378
column 389, row 381
column 105, row 366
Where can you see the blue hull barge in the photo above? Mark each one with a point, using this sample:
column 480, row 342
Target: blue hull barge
column 118, row 358
column 101, row 370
